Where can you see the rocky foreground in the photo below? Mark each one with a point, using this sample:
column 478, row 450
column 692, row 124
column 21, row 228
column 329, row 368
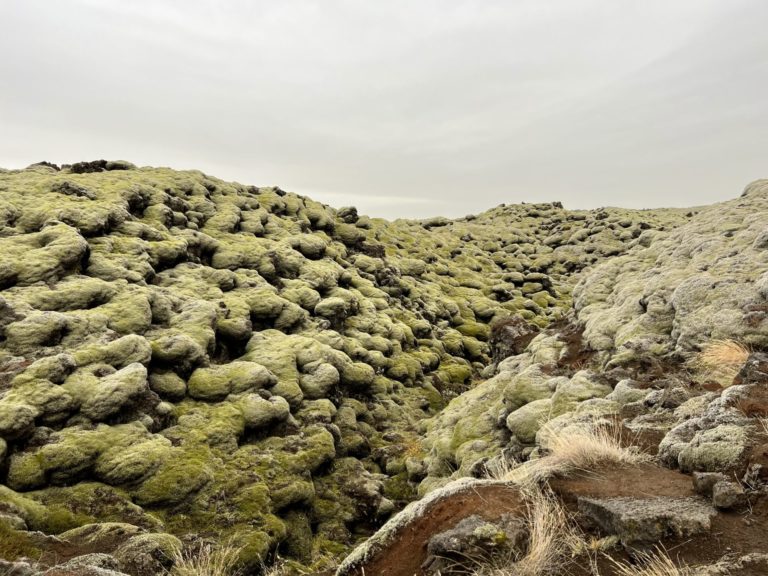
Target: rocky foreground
column 188, row 362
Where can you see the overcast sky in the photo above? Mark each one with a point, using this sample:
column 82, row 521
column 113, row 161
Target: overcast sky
column 401, row 107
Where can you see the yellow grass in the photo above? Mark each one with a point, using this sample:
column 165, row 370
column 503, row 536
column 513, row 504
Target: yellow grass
column 206, row 561
column 552, row 539
column 413, row 448
column 721, row 360
column 657, row 563
column 586, row 449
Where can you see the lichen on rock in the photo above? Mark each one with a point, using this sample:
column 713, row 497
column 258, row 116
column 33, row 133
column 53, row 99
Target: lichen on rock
column 179, row 352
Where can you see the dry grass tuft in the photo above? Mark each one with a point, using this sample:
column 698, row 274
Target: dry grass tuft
column 721, row 360
column 584, row 450
column 552, row 536
column 500, row 468
column 413, row 448
column 657, row 563
column 552, row 540
column 206, row 561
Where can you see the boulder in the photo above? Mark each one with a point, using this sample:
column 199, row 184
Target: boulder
column 217, row 382
column 94, row 560
column 475, row 537
column 100, row 536
column 16, row 420
column 722, row 448
column 529, row 385
column 113, row 393
column 728, row 495
column 510, row 336
column 525, row 422
column 648, row 520
column 582, row 386
column 148, row 554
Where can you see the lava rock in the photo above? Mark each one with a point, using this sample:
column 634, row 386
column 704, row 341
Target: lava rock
column 647, row 520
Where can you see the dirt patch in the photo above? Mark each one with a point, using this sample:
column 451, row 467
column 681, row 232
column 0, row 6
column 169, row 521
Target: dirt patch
column 736, row 533
column 732, row 534
column 755, row 405
column 57, row 551
column 576, row 354
column 644, row 481
column 407, row 551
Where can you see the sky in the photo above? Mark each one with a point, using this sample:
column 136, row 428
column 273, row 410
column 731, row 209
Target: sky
column 403, row 108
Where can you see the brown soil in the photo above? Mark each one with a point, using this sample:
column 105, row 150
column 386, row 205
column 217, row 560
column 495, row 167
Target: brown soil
column 576, row 354
column 731, row 534
column 57, row 551
column 408, row 550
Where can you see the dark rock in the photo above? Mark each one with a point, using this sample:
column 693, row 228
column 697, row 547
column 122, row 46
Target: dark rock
column 7, row 315
column 100, row 166
column 88, row 167
column 71, row 189
column 755, row 370
column 348, row 214
column 45, row 163
column 648, row 519
column 703, row 482
column 475, row 537
column 510, row 336
column 728, row 495
column 670, row 396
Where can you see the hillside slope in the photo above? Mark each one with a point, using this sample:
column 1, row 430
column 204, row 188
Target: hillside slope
column 197, row 359
column 664, row 349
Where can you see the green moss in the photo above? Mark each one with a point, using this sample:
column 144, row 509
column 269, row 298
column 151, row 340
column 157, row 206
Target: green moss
column 252, row 501
column 75, row 454
column 181, row 475
column 15, row 544
column 357, row 375
column 217, row 382
column 168, row 385
column 454, row 373
column 526, row 421
column 119, row 353
column 298, row 543
column 59, row 518
column 405, row 368
column 190, row 269
column 399, row 489
column 348, row 234
column 253, row 547
column 475, row 330
column 90, row 502
column 433, row 397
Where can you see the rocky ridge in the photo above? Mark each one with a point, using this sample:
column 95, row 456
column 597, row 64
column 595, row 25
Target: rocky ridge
column 626, row 356
column 186, row 360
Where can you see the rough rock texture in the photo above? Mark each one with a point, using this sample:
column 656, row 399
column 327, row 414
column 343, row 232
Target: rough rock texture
column 637, row 320
column 184, row 355
column 646, row 520
column 213, row 354
column 475, row 537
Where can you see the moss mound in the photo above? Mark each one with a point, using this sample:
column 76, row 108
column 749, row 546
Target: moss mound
column 206, row 358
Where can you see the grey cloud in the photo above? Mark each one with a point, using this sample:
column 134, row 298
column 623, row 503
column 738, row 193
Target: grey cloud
column 402, row 108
